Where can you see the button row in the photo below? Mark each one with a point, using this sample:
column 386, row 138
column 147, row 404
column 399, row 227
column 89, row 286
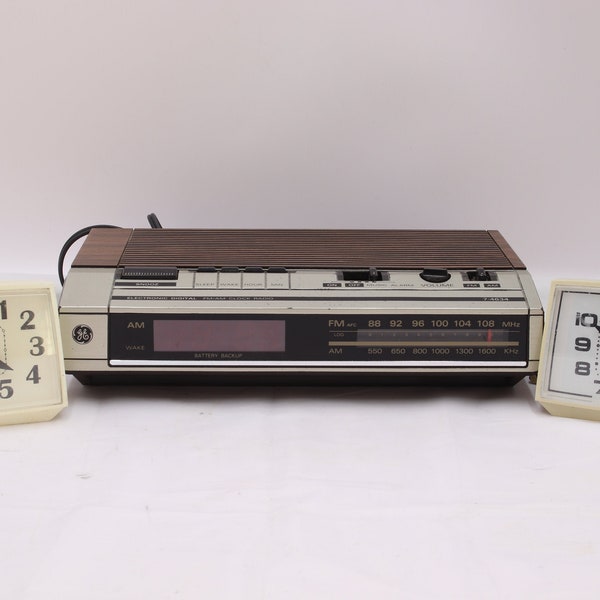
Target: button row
column 231, row 278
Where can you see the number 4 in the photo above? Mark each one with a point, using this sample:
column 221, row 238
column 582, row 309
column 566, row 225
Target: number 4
column 34, row 375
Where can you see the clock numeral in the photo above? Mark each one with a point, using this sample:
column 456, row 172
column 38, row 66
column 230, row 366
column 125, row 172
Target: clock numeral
column 582, row 368
column 37, row 349
column 586, row 319
column 6, row 391
column 597, row 381
column 583, row 344
column 27, row 316
column 3, row 311
column 34, row 375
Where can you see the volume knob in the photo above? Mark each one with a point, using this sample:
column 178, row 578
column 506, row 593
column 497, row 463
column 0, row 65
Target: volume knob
column 435, row 275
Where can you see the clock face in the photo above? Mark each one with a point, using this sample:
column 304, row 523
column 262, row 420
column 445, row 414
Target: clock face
column 570, row 369
column 31, row 366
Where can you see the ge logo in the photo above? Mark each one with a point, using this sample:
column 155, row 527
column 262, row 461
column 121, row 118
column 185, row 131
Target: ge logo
column 83, row 334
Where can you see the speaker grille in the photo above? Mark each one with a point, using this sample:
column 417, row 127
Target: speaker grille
column 316, row 248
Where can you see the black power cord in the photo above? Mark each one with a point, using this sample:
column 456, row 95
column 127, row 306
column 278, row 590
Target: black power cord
column 67, row 246
column 154, row 222
column 152, row 219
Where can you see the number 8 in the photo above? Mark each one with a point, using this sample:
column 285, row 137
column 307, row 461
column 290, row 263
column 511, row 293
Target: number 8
column 582, row 368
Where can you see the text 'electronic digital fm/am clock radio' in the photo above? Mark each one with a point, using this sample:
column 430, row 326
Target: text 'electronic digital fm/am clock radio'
column 299, row 306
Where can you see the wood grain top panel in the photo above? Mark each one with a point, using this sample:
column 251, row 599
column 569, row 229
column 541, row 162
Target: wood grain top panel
column 299, row 248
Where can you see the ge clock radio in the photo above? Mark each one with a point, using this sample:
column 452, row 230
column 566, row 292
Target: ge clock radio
column 299, row 306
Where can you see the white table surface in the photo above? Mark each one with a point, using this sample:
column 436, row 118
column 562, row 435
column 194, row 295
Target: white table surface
column 258, row 492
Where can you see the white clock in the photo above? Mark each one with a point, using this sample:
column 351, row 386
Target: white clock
column 568, row 382
column 32, row 377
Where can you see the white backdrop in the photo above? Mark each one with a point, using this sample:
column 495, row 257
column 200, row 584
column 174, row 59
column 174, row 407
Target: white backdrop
column 333, row 113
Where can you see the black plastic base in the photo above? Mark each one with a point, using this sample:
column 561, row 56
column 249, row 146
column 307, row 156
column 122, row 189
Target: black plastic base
column 119, row 377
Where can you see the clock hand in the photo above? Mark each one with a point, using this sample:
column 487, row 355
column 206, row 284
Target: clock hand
column 4, row 366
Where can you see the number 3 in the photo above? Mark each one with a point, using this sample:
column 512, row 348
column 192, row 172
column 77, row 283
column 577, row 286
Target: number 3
column 37, row 349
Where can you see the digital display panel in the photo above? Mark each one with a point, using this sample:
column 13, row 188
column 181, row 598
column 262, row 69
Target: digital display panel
column 219, row 335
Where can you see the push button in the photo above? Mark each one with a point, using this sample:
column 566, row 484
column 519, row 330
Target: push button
column 278, row 278
column 206, row 277
column 230, row 278
column 253, row 278
column 155, row 273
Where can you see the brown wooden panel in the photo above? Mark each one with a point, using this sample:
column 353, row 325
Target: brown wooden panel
column 103, row 248
column 309, row 248
column 508, row 251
